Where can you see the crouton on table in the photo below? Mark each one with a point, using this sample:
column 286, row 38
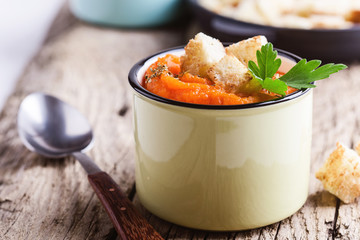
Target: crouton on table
column 340, row 174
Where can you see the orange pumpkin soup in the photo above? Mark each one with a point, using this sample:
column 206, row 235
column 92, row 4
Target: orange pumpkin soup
column 164, row 78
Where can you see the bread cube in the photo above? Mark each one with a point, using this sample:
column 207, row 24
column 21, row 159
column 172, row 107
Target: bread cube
column 354, row 16
column 200, row 54
column 246, row 50
column 340, row 174
column 229, row 73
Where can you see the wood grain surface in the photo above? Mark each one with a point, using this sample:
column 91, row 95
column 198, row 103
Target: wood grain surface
column 87, row 66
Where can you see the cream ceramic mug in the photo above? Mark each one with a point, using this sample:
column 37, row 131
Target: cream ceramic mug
column 221, row 168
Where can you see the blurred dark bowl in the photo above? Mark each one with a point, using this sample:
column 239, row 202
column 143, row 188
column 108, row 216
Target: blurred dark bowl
column 328, row 45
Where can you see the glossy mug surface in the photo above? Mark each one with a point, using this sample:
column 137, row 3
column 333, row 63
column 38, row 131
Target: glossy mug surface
column 222, row 167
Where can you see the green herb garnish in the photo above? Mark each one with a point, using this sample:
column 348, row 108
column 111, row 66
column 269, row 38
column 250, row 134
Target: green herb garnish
column 300, row 76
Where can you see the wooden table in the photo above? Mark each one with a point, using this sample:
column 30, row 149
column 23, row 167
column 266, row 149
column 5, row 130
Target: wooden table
column 87, row 66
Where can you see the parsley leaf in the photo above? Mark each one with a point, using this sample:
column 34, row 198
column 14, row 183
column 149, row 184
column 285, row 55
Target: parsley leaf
column 304, row 73
column 267, row 61
column 275, row 86
column 300, row 76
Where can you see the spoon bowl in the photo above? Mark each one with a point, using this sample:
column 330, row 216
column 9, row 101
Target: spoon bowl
column 52, row 128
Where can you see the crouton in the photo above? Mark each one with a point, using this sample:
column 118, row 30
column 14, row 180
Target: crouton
column 354, row 16
column 229, row 73
column 323, row 21
column 200, row 54
column 246, row 50
column 340, row 174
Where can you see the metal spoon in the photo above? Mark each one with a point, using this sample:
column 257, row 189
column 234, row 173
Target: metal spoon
column 54, row 129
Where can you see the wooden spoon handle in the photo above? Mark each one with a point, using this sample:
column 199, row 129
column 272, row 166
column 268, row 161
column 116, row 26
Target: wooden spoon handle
column 128, row 222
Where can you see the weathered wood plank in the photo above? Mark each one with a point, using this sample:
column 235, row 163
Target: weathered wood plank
column 335, row 119
column 348, row 117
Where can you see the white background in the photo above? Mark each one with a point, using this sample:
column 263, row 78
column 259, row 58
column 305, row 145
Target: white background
column 23, row 27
